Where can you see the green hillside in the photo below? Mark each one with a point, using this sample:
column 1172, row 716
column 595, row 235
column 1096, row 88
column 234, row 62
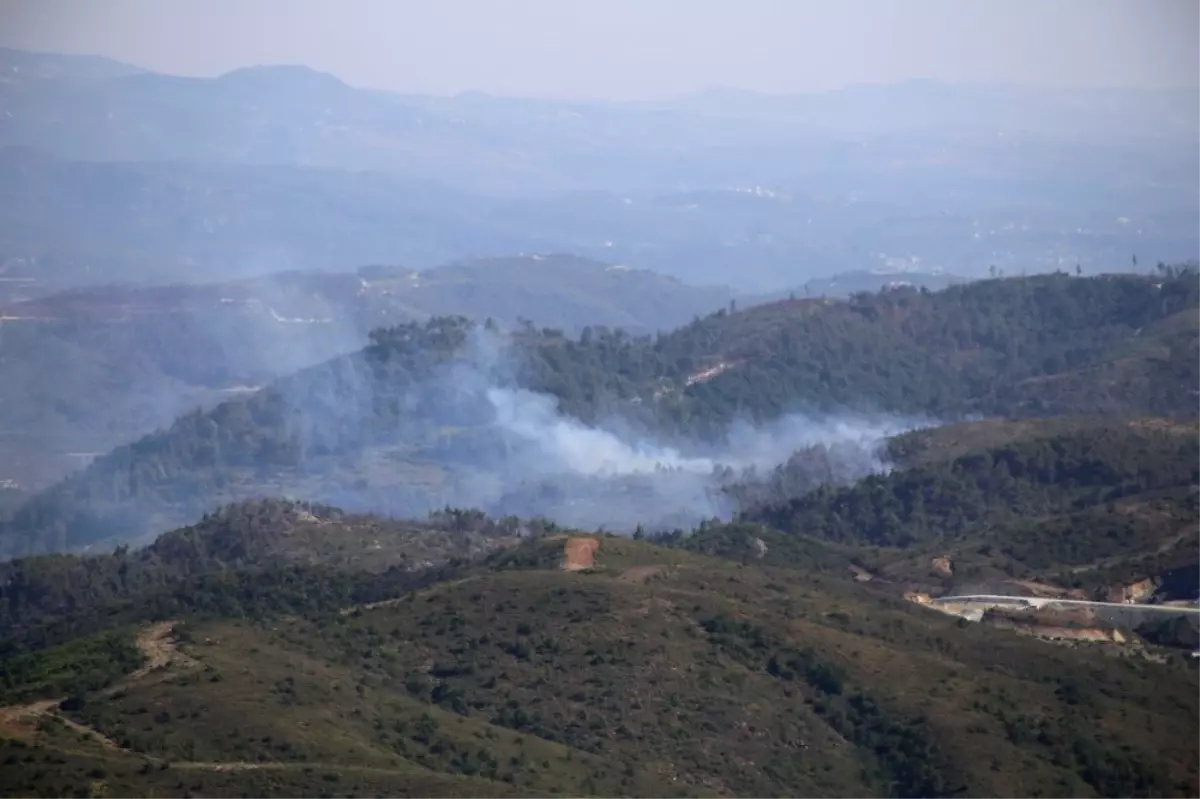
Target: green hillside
column 650, row 671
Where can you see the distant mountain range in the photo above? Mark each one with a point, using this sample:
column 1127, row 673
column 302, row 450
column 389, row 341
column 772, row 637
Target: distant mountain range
column 111, row 172
column 293, row 114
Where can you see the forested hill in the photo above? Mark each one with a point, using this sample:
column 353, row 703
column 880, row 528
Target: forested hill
column 1032, row 346
column 376, row 421
column 1043, row 345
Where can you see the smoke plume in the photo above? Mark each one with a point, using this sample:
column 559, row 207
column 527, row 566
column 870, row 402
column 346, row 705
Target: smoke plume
column 523, row 456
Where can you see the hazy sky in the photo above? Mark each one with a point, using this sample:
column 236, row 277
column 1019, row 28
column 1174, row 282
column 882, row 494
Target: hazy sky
column 625, row 49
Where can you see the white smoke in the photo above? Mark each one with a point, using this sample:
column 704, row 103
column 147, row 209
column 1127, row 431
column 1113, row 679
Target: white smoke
column 577, row 448
column 580, row 449
column 609, row 476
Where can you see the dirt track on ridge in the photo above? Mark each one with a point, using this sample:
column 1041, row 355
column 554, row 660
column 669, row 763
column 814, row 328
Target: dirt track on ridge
column 159, row 651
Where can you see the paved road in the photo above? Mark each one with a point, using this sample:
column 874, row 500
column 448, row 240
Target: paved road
column 974, row 606
column 1038, row 602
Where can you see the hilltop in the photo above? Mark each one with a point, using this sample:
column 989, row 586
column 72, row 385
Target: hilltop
column 593, row 666
column 408, row 424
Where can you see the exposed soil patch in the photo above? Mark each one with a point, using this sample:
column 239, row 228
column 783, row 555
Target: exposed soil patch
column 1053, row 633
column 942, row 566
column 158, row 646
column 860, row 574
column 579, row 554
